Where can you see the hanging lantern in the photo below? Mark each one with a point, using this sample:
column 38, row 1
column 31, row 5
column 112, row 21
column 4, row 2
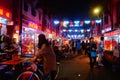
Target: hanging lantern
column 78, row 30
column 82, row 23
column 66, row 30
column 71, row 23
column 72, row 30
column 92, row 22
column 61, row 23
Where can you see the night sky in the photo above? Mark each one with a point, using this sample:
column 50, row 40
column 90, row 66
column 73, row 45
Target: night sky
column 67, row 9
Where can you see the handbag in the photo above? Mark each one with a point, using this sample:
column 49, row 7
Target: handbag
column 93, row 54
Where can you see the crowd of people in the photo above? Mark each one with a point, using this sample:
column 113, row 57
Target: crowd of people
column 51, row 52
column 8, row 46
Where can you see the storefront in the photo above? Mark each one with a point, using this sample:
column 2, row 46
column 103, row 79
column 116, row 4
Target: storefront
column 29, row 40
column 5, row 18
column 111, row 39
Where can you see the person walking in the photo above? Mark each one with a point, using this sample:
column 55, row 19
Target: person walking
column 93, row 52
column 100, row 51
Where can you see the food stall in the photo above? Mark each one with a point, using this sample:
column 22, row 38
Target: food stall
column 111, row 39
column 29, row 39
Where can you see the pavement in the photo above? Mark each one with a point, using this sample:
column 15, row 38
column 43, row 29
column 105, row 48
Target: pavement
column 76, row 67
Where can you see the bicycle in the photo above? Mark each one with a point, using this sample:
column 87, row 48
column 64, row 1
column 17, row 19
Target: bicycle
column 28, row 74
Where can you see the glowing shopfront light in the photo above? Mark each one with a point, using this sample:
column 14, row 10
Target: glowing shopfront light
column 5, row 13
column 56, row 22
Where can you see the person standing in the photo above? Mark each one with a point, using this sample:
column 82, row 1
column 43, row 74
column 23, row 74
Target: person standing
column 100, row 51
column 45, row 51
column 83, row 47
column 87, row 44
column 78, row 46
column 93, row 52
column 74, row 46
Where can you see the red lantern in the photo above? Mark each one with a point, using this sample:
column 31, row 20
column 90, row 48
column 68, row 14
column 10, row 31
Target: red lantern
column 78, row 30
column 92, row 22
column 61, row 23
column 66, row 30
column 82, row 22
column 72, row 30
column 71, row 23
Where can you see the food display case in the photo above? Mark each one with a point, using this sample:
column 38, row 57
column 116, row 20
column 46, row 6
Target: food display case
column 111, row 40
column 29, row 42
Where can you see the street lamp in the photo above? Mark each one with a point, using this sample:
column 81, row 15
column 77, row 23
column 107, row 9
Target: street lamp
column 97, row 11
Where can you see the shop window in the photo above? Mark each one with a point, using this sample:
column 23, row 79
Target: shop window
column 106, row 20
column 25, row 7
column 33, row 12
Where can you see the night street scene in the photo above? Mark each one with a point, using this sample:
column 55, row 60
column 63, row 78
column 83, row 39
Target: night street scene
column 59, row 39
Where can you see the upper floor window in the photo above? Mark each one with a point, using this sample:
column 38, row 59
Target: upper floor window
column 33, row 12
column 118, row 12
column 106, row 19
column 25, row 6
column 39, row 16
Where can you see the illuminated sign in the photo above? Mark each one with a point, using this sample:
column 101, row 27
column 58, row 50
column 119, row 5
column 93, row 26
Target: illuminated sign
column 33, row 25
column 4, row 13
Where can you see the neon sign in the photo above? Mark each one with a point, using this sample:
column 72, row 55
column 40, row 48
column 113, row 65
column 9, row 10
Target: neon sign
column 33, row 25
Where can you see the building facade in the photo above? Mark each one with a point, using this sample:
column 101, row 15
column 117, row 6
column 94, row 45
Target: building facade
column 111, row 24
column 31, row 26
column 6, row 12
